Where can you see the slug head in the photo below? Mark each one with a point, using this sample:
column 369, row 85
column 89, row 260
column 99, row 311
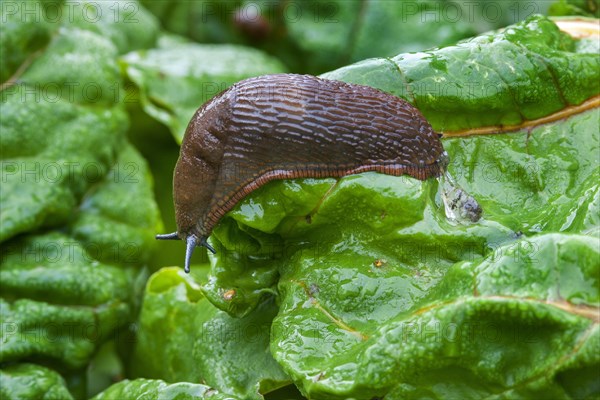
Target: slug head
column 192, row 191
column 188, row 211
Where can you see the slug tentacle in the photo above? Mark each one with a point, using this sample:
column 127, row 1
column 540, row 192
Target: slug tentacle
column 288, row 126
column 168, row 236
column 204, row 243
column 191, row 242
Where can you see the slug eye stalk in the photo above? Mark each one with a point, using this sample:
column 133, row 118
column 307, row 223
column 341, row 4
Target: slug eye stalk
column 168, row 236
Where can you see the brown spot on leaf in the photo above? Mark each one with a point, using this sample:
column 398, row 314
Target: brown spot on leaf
column 228, row 295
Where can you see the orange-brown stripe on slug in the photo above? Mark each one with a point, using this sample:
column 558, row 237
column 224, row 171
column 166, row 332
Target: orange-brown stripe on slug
column 293, row 126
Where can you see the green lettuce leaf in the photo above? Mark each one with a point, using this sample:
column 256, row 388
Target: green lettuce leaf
column 183, row 338
column 51, row 156
column 23, row 35
column 127, row 24
column 586, row 8
column 28, row 26
column 174, row 81
column 65, row 294
column 542, row 180
column 30, row 381
column 118, row 217
column 379, row 333
column 59, row 303
column 157, row 389
column 77, row 214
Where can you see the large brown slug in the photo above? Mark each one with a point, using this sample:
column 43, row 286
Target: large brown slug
column 292, row 126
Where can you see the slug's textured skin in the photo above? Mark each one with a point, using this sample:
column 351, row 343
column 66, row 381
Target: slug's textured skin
column 293, row 126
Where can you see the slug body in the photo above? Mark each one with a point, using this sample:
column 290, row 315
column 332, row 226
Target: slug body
column 292, row 126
